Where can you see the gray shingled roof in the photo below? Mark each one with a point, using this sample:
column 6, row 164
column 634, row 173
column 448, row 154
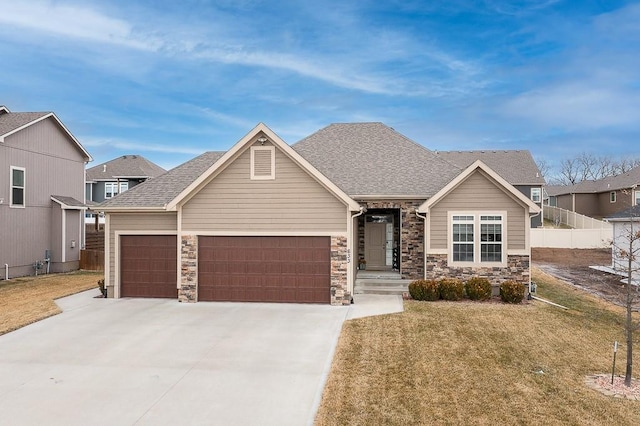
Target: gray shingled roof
column 515, row 166
column 13, row 120
column 127, row 166
column 374, row 159
column 161, row 190
column 633, row 212
column 611, row 183
column 69, row 201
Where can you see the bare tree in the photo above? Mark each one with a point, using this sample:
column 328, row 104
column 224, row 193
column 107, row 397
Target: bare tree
column 626, row 164
column 626, row 250
column 544, row 167
column 569, row 171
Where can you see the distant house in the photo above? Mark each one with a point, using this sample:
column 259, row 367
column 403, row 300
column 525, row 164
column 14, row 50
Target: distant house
column 41, row 194
column 271, row 222
column 599, row 198
column 109, row 179
column 516, row 166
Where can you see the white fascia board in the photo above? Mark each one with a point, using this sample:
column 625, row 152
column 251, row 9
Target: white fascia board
column 283, row 146
column 478, row 164
column 68, row 207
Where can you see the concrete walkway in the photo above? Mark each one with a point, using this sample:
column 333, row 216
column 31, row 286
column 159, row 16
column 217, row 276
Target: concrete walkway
column 152, row 361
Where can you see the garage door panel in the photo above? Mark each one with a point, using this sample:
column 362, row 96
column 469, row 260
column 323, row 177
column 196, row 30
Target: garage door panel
column 148, row 266
column 264, row 269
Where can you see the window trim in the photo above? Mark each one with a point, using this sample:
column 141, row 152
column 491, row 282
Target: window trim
column 477, row 243
column 272, row 150
column 114, row 189
column 613, row 197
column 636, row 197
column 23, row 187
column 537, row 190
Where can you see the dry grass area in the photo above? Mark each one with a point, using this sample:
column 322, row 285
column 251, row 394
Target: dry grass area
column 30, row 299
column 480, row 363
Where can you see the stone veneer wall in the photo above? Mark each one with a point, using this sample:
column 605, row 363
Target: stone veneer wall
column 339, row 292
column 517, row 269
column 411, row 235
column 189, row 269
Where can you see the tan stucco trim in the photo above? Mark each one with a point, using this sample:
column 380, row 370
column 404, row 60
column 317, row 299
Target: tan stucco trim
column 389, row 197
column 479, row 165
column 240, row 146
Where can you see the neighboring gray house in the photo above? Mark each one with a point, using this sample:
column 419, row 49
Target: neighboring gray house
column 599, row 198
column 270, row 222
column 516, row 166
column 108, row 179
column 41, row 194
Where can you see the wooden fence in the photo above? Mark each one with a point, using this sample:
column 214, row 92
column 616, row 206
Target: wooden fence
column 92, row 260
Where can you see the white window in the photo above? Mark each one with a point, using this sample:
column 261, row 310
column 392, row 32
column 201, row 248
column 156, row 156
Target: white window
column 263, row 162
column 463, row 238
column 123, row 187
column 110, row 189
column 17, row 187
column 637, row 198
column 612, row 196
column 467, row 247
column 536, row 195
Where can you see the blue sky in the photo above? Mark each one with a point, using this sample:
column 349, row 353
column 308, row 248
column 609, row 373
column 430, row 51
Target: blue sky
column 169, row 80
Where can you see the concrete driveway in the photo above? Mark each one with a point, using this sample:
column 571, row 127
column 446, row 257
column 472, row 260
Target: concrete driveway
column 151, row 361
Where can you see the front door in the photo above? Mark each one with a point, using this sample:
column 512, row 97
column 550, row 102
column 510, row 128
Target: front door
column 375, row 245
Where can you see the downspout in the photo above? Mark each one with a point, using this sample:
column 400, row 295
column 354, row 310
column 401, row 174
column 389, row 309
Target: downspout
column 424, row 242
column 6, row 272
column 350, row 277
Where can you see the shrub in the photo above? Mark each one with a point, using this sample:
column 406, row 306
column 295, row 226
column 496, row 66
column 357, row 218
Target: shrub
column 451, row 289
column 478, row 288
column 511, row 292
column 424, row 290
column 102, row 288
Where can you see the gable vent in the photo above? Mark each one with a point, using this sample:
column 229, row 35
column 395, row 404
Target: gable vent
column 263, row 162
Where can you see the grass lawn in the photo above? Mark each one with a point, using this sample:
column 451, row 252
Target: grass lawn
column 481, row 363
column 30, row 299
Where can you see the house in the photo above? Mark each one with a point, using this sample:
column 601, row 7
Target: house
column 270, row 222
column 598, row 198
column 626, row 239
column 108, row 179
column 516, row 166
column 41, row 194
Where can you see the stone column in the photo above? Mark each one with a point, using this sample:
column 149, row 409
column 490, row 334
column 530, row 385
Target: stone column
column 339, row 293
column 188, row 291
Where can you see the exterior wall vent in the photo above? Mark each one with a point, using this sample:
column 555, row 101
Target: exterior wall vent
column 263, row 163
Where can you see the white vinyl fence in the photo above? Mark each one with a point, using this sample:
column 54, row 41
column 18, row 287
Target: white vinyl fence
column 587, row 232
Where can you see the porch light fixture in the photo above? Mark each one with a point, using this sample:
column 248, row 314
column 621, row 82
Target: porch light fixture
column 262, row 140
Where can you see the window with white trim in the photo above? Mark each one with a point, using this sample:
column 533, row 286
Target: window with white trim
column 123, row 187
column 17, row 187
column 471, row 246
column 263, row 162
column 612, row 197
column 637, row 198
column 536, row 194
column 463, row 238
column 110, row 189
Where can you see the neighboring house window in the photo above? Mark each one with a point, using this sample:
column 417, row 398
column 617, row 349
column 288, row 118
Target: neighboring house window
column 111, row 189
column 463, row 238
column 263, row 162
column 612, row 196
column 637, row 198
column 466, row 247
column 17, row 187
column 536, row 195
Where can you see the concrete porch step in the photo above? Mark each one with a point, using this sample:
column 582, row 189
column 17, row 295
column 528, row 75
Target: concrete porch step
column 381, row 289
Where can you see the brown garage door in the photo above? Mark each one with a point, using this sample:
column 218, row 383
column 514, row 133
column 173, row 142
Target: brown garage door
column 148, row 266
column 264, row 269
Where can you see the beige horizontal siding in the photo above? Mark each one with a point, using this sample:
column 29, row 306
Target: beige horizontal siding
column 293, row 201
column 136, row 222
column 476, row 194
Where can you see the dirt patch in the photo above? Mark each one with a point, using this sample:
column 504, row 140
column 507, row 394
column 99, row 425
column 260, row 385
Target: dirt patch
column 572, row 266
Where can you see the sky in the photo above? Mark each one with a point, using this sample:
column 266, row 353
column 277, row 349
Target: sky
column 169, row 80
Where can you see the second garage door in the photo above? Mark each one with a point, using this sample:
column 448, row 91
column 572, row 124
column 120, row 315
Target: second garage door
column 264, row 269
column 148, row 266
